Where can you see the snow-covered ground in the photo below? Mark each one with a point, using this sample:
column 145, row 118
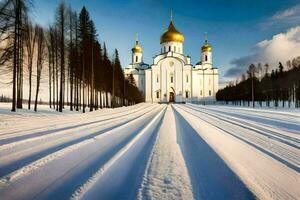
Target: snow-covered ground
column 150, row 151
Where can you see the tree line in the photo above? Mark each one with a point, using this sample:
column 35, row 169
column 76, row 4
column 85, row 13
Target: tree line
column 80, row 72
column 281, row 85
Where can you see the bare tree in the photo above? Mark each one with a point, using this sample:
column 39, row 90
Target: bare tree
column 40, row 60
column 30, row 40
column 267, row 69
column 6, row 26
column 50, row 62
column 61, row 23
column 251, row 72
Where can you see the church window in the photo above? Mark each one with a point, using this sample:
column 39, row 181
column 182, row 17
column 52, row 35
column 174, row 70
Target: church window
column 157, row 94
column 205, row 57
column 200, row 92
column 186, row 94
column 187, row 78
column 136, row 58
column 172, row 79
column 209, row 93
column 169, row 48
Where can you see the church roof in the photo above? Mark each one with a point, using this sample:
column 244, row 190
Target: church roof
column 137, row 48
column 171, row 35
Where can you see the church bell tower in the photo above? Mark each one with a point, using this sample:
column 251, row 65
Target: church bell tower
column 137, row 52
column 206, row 52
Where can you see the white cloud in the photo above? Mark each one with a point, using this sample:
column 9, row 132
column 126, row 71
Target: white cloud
column 295, row 10
column 282, row 47
column 283, row 18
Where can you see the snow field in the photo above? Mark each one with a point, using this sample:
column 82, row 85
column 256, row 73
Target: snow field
column 150, row 151
column 166, row 176
column 64, row 160
column 266, row 177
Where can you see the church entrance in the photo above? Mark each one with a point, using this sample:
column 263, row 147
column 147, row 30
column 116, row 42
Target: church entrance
column 172, row 97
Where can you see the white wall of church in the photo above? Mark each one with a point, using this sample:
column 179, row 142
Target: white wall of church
column 137, row 58
column 205, row 84
column 176, row 47
column 206, row 58
column 148, row 85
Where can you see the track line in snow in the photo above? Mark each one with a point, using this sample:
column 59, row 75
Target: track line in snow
column 211, row 177
column 166, row 176
column 273, row 134
column 40, row 123
column 265, row 176
column 275, row 113
column 293, row 165
column 81, row 191
column 13, row 140
column 72, row 147
column 58, row 178
column 66, row 132
column 288, row 124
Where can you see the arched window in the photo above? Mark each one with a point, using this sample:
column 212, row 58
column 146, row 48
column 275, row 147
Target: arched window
column 157, row 79
column 209, row 92
column 136, row 58
column 172, row 79
column 187, row 78
column 186, row 94
column 205, row 57
column 157, row 94
column 200, row 92
column 169, row 48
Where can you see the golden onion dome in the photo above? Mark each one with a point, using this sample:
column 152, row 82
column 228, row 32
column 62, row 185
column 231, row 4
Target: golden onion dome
column 206, row 47
column 171, row 35
column 137, row 48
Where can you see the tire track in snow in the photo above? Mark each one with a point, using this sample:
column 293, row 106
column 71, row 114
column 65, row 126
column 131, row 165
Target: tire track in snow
column 56, row 150
column 211, row 178
column 84, row 190
column 69, row 166
column 288, row 125
column 45, row 160
column 166, row 176
column 66, row 132
column 292, row 141
column 61, row 120
column 265, row 176
column 12, row 141
column 283, row 158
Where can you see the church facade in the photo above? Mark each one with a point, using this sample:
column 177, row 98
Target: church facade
column 172, row 77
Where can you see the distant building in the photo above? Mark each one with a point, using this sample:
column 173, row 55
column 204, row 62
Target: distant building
column 171, row 77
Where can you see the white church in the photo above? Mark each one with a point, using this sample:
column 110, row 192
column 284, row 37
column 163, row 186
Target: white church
column 172, row 77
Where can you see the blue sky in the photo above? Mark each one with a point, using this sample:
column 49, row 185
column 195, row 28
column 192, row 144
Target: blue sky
column 234, row 27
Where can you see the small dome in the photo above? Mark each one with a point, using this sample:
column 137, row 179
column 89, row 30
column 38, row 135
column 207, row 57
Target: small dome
column 137, row 49
column 171, row 35
column 206, row 48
